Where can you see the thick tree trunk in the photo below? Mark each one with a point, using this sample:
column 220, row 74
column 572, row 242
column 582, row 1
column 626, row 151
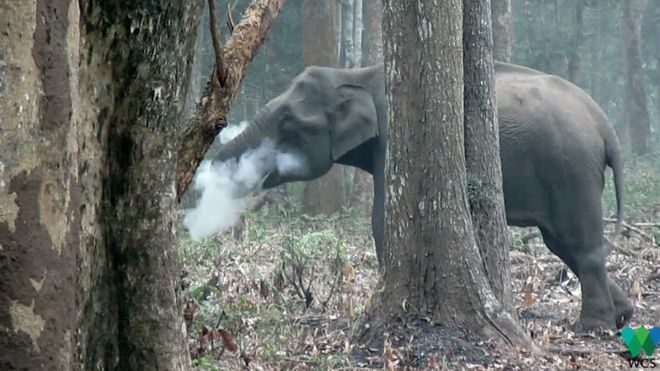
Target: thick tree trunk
column 482, row 149
column 319, row 19
column 39, row 185
column 502, row 21
column 143, row 107
column 91, row 113
column 639, row 123
column 578, row 40
column 432, row 264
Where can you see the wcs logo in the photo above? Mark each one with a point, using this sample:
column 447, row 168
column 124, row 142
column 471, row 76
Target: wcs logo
column 640, row 340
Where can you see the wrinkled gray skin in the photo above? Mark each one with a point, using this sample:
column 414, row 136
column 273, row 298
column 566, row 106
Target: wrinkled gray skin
column 555, row 145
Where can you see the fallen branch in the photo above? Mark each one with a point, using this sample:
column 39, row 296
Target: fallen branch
column 633, row 228
column 530, row 236
column 211, row 114
column 584, row 352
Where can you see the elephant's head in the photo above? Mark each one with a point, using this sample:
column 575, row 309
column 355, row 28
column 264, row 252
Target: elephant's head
column 324, row 114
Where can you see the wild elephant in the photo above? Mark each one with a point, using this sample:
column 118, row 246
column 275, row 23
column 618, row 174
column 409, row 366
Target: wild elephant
column 555, row 142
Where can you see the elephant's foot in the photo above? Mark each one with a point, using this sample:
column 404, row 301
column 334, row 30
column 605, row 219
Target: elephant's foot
column 623, row 317
column 595, row 318
column 593, row 325
column 622, row 307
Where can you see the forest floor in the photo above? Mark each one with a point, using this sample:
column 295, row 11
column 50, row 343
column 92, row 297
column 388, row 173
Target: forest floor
column 286, row 291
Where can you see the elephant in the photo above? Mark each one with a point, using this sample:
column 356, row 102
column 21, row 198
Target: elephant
column 555, row 145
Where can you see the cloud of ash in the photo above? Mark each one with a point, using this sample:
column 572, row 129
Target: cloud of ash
column 221, row 184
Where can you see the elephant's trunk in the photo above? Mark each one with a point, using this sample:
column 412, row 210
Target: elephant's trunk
column 249, row 173
column 248, row 139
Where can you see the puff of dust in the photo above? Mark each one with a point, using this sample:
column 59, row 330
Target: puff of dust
column 218, row 208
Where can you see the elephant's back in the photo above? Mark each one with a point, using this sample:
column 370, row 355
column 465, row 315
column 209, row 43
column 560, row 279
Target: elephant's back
column 543, row 110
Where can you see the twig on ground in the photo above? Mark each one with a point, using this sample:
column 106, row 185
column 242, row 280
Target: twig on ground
column 620, row 249
column 584, row 352
column 633, row 228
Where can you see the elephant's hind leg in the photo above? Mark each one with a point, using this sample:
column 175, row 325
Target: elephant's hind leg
column 586, row 258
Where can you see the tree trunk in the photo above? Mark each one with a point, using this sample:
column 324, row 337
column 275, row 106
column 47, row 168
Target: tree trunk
column 89, row 268
column 578, row 39
column 502, row 29
column 373, row 33
column 141, row 129
column 319, row 19
column 482, row 149
column 639, row 123
column 432, row 263
column 650, row 32
column 358, row 27
column 39, row 185
column 347, row 41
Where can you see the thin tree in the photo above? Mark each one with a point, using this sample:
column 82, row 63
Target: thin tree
column 638, row 120
column 433, row 271
column 482, row 148
column 502, row 22
column 578, row 39
column 319, row 21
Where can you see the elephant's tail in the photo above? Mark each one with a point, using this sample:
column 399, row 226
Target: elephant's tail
column 615, row 161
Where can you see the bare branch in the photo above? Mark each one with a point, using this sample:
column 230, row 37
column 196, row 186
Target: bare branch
column 230, row 19
column 220, row 74
column 211, row 114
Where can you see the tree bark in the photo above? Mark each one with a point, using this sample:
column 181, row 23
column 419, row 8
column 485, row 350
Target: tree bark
column 502, row 22
column 482, row 149
column 578, row 40
column 143, row 107
column 319, row 19
column 639, row 123
column 433, row 268
column 39, row 185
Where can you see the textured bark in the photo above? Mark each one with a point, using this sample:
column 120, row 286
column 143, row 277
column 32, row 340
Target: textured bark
column 432, row 262
column 39, row 185
column 578, row 40
column 482, row 149
column 324, row 195
column 639, row 123
column 211, row 115
column 148, row 57
column 502, row 21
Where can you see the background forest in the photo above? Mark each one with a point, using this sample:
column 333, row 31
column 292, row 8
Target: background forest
column 283, row 287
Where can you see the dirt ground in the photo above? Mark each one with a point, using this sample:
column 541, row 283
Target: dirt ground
column 286, row 292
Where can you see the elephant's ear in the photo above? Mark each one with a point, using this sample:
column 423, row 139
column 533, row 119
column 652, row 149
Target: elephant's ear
column 355, row 119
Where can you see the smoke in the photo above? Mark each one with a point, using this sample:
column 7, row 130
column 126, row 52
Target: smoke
column 225, row 185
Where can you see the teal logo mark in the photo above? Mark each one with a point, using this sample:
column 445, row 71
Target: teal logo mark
column 641, row 339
